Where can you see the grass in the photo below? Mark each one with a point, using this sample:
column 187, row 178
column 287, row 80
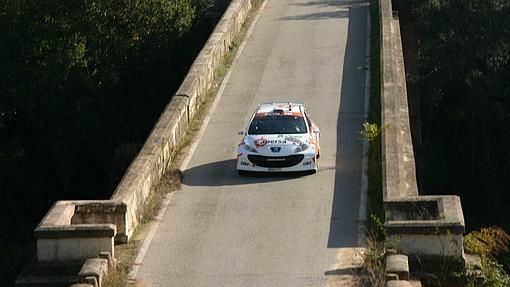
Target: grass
column 125, row 255
column 170, row 181
column 172, row 178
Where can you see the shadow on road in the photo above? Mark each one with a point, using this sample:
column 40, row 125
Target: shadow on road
column 223, row 173
column 346, row 198
column 344, row 12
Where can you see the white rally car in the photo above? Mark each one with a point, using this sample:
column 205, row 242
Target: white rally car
column 282, row 137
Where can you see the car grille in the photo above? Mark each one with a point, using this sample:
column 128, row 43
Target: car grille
column 275, row 161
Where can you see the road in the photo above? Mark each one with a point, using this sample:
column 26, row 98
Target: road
column 222, row 229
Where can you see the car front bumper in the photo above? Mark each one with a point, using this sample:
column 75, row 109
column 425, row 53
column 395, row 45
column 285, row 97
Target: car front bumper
column 259, row 163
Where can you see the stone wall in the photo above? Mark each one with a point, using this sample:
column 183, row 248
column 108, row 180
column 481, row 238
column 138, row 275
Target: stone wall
column 426, row 228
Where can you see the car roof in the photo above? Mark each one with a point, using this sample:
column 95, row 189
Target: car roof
column 293, row 108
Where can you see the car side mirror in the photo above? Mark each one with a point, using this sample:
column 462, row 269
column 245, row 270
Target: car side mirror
column 241, row 133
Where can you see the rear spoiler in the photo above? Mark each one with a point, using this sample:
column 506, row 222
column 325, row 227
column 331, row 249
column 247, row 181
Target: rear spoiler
column 287, row 103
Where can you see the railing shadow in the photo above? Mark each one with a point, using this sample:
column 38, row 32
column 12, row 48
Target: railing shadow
column 346, row 198
column 343, row 12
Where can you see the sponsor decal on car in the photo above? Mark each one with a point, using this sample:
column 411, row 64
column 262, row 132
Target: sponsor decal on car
column 262, row 142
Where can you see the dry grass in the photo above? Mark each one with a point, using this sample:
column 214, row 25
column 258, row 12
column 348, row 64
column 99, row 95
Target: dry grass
column 125, row 255
column 488, row 241
column 373, row 273
column 169, row 182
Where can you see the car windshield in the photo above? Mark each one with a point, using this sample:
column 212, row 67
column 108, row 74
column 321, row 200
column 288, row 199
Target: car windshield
column 277, row 124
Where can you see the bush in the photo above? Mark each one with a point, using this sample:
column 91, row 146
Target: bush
column 488, row 243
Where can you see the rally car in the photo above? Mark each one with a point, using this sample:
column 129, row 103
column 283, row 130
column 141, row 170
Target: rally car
column 281, row 137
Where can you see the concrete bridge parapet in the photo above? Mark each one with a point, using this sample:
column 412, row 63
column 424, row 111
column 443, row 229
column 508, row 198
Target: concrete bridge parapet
column 77, row 230
column 427, row 228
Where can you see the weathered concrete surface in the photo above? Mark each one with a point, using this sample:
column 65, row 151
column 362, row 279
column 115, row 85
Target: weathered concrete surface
column 440, row 245
column 399, row 174
column 70, row 249
column 96, row 268
column 399, row 265
column 285, row 230
column 101, row 212
column 59, row 240
column 152, row 161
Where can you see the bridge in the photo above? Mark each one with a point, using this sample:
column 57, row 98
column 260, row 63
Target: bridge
column 222, row 229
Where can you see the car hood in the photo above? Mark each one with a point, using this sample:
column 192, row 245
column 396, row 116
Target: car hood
column 277, row 145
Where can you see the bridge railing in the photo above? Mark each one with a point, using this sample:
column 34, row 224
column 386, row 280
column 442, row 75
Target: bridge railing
column 427, row 228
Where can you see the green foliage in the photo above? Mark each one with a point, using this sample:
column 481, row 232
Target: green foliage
column 82, row 83
column 495, row 276
column 378, row 231
column 370, row 131
column 489, row 274
column 488, row 243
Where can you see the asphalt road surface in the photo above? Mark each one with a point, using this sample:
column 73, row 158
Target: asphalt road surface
column 223, row 229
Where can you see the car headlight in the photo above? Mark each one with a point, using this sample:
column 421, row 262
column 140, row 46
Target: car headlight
column 249, row 148
column 301, row 147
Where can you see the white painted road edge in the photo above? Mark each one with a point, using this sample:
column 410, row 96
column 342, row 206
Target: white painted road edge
column 166, row 201
column 363, row 203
